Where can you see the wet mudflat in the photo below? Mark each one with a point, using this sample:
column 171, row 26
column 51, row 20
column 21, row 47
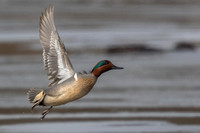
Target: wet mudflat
column 157, row 92
column 150, row 95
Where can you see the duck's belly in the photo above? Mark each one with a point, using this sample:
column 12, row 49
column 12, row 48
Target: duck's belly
column 71, row 92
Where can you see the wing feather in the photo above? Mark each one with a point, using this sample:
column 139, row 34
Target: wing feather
column 55, row 58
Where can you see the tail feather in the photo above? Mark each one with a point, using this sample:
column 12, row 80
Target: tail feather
column 35, row 95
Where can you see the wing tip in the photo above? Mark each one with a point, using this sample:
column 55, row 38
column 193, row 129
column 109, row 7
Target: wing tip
column 51, row 7
column 47, row 12
column 46, row 22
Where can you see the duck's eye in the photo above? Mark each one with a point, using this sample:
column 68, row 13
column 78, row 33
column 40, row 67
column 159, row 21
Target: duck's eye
column 106, row 62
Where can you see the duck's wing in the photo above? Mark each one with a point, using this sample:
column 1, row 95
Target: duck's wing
column 55, row 58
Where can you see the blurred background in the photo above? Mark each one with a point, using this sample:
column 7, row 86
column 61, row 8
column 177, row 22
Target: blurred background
column 156, row 41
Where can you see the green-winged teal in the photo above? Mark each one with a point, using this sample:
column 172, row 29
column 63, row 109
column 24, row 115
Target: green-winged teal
column 66, row 85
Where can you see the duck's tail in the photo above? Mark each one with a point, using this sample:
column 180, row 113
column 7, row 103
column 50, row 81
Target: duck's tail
column 35, row 96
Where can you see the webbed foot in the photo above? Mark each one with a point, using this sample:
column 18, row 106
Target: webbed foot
column 44, row 113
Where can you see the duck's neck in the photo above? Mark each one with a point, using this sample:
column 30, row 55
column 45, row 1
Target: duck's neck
column 97, row 72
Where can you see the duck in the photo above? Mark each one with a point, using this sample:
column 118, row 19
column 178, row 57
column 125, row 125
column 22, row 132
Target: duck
column 65, row 84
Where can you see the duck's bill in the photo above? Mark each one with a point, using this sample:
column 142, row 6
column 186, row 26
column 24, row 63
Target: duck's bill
column 116, row 67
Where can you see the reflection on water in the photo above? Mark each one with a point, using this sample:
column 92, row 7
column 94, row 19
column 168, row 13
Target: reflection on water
column 156, row 92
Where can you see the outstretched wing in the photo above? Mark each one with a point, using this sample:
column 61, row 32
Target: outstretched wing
column 56, row 61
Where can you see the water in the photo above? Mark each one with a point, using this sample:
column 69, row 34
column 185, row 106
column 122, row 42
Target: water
column 155, row 93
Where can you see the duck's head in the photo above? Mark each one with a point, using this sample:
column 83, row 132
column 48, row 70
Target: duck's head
column 103, row 66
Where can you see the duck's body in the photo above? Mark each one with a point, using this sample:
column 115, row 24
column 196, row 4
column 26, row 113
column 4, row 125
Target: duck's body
column 65, row 85
column 70, row 90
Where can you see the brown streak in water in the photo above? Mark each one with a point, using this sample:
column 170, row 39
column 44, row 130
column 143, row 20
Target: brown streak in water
column 16, row 110
column 177, row 120
column 17, row 48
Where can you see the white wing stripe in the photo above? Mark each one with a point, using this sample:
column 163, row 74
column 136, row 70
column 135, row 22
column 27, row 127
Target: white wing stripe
column 75, row 76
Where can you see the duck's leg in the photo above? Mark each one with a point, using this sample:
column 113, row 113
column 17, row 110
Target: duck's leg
column 37, row 103
column 46, row 112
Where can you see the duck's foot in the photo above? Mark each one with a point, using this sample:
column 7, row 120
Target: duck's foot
column 36, row 103
column 46, row 112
